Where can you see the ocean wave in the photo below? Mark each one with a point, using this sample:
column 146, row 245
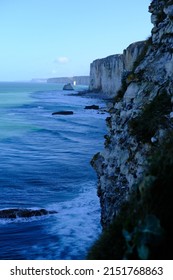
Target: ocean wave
column 77, row 225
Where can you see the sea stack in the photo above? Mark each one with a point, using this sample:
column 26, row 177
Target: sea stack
column 68, row 87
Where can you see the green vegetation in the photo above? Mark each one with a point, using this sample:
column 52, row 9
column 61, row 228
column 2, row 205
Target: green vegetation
column 152, row 117
column 161, row 16
column 108, row 122
column 143, row 228
column 121, row 91
column 147, row 43
column 107, row 140
column 95, row 158
column 132, row 76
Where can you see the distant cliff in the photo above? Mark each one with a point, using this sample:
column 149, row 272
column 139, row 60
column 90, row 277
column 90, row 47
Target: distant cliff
column 135, row 169
column 106, row 74
column 79, row 80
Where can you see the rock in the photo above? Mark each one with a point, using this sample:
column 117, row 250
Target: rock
column 63, row 113
column 93, row 107
column 124, row 159
column 23, row 213
column 169, row 11
column 153, row 139
column 68, row 87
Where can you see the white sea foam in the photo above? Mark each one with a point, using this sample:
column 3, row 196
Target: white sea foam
column 77, row 226
column 23, row 220
column 78, row 222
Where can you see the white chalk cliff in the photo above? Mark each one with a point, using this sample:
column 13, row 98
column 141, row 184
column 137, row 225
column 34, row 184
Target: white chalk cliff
column 106, row 74
column 130, row 140
column 138, row 152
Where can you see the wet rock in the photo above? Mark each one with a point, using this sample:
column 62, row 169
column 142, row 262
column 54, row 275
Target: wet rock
column 63, row 113
column 93, row 107
column 23, row 213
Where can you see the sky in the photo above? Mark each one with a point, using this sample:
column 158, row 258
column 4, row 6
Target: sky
column 56, row 38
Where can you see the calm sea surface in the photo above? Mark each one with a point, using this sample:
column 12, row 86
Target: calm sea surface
column 45, row 163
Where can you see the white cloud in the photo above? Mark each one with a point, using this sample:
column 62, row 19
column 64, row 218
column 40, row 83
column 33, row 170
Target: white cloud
column 62, row 60
column 53, row 71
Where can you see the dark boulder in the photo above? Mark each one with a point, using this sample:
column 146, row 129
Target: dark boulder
column 63, row 113
column 68, row 87
column 93, row 107
column 23, row 213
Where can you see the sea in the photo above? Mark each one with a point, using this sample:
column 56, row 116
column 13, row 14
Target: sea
column 45, row 163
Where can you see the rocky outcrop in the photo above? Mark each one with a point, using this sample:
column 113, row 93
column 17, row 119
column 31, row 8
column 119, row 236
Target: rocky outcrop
column 106, row 74
column 92, row 107
column 68, row 87
column 63, row 113
column 140, row 116
column 15, row 213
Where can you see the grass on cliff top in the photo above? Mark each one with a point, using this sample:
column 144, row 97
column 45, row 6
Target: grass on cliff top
column 152, row 117
column 143, row 228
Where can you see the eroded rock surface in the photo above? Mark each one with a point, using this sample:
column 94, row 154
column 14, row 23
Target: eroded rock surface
column 140, row 113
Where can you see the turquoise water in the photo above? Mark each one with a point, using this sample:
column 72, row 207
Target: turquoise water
column 45, row 163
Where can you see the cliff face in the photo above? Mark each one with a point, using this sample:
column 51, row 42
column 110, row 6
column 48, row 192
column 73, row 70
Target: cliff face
column 141, row 113
column 103, row 73
column 106, row 74
column 79, row 80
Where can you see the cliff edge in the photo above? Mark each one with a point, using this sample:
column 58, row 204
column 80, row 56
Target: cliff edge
column 135, row 169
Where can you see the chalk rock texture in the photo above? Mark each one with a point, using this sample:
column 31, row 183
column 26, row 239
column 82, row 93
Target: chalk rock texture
column 141, row 83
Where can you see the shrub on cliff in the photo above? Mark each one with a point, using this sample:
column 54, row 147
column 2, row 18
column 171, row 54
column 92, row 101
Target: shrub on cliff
column 143, row 227
column 152, row 117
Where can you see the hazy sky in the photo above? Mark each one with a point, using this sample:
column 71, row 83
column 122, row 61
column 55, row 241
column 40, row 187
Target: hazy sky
column 53, row 38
